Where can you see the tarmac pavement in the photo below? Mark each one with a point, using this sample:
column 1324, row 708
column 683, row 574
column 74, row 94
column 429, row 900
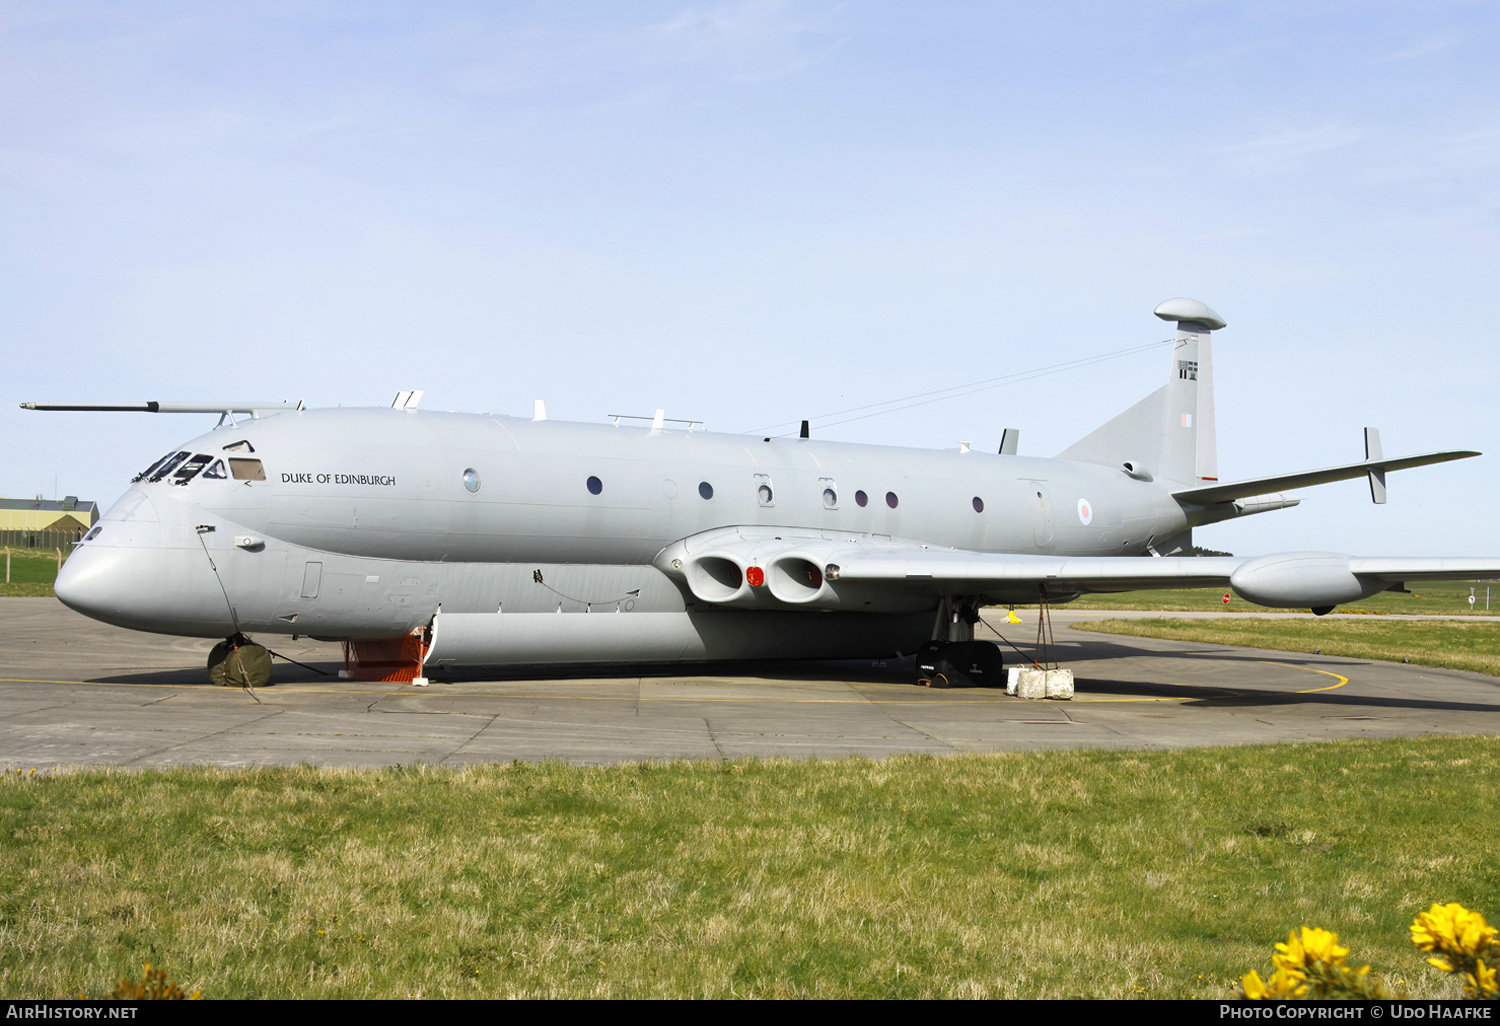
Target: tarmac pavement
column 76, row 692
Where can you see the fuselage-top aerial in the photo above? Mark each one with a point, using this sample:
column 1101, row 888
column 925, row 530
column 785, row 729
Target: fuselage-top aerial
column 536, row 541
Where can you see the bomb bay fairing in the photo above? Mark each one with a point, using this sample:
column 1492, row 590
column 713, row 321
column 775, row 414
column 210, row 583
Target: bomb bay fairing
column 488, row 540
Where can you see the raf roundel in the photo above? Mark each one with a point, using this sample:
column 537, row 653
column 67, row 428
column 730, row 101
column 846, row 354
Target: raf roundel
column 1085, row 512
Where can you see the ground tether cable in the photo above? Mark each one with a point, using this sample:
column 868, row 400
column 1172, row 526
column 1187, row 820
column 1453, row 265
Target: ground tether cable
column 294, row 662
column 234, row 619
column 1012, row 644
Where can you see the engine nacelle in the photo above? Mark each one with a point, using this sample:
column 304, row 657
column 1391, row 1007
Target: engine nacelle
column 1291, row 580
column 752, row 580
column 778, row 568
column 719, row 578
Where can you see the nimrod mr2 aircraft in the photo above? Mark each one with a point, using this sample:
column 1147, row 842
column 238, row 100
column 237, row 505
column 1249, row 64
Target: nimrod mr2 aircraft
column 435, row 541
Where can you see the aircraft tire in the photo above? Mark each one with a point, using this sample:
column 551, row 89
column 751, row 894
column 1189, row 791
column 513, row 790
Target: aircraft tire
column 959, row 664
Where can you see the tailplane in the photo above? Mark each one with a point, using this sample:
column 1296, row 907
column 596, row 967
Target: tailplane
column 1169, row 435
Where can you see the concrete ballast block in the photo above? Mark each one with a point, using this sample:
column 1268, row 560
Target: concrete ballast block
column 1060, row 684
column 1029, row 683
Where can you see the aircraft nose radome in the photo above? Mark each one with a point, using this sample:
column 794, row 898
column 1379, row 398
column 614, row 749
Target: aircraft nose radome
column 90, row 582
column 128, row 587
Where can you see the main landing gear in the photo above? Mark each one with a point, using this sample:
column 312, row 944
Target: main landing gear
column 959, row 664
column 953, row 659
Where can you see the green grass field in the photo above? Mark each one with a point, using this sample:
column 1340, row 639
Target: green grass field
column 1059, row 874
column 31, row 572
column 1456, row 644
column 1438, row 598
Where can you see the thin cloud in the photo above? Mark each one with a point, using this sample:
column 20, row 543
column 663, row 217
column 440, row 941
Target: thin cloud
column 748, row 41
column 1411, row 53
column 1288, row 151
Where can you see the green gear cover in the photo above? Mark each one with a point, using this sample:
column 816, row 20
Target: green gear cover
column 235, row 667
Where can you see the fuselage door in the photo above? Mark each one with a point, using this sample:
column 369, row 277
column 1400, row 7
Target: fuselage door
column 312, row 580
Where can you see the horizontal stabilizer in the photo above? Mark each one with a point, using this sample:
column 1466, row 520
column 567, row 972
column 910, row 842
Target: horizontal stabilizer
column 1209, row 494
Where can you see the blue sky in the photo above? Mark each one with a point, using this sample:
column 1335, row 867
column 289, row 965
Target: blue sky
column 754, row 212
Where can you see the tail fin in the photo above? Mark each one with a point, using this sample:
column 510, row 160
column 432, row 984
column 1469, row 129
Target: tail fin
column 1170, row 433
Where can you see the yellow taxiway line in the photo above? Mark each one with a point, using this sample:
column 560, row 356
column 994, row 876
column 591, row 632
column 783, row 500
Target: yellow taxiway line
column 980, row 695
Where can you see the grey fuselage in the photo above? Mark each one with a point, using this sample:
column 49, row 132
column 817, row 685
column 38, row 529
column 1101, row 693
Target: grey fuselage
column 370, row 522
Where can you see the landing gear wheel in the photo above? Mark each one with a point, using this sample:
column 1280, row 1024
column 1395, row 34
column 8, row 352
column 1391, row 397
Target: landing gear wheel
column 959, row 664
column 237, row 663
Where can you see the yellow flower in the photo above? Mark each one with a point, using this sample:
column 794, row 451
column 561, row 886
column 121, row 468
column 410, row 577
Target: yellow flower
column 1312, row 946
column 1452, row 928
column 1485, row 985
column 1283, row 984
column 1323, row 946
column 1290, row 956
column 1288, row 984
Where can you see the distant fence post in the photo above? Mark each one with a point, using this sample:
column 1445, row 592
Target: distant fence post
column 59, row 560
column 7, row 564
column 40, row 541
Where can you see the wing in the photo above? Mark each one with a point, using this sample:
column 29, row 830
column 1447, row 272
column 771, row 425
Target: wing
column 781, row 568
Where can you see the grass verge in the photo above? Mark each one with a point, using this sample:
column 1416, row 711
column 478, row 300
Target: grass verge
column 32, row 572
column 1455, row 644
column 1058, row 874
column 1435, row 598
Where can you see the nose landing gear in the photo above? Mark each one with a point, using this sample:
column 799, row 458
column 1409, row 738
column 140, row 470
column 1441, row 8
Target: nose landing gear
column 237, row 662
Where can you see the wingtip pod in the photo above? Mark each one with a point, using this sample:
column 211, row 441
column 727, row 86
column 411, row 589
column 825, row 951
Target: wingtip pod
column 1302, row 580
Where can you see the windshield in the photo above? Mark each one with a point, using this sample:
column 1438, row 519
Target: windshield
column 190, row 469
column 161, row 468
column 155, row 466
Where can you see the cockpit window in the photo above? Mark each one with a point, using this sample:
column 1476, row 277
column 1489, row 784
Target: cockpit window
column 190, row 469
column 243, row 445
column 217, row 471
column 152, row 469
column 247, row 470
column 165, row 466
